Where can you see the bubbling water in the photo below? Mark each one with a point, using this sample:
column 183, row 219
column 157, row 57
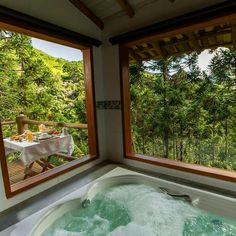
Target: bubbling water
column 139, row 210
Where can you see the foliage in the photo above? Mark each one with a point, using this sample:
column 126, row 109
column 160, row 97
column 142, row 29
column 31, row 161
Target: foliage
column 40, row 86
column 183, row 113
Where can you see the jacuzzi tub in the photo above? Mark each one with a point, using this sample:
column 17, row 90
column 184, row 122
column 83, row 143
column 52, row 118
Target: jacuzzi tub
column 208, row 201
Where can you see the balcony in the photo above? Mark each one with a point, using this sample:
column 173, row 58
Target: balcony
column 17, row 169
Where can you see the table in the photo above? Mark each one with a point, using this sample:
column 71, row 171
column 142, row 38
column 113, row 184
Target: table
column 38, row 151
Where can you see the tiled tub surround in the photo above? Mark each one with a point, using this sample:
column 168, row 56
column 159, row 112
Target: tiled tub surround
column 209, row 201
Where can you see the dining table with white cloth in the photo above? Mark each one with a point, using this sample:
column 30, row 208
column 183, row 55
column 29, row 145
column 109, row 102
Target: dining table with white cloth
column 33, row 151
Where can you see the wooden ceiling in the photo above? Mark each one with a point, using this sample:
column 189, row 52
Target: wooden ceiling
column 98, row 11
column 223, row 35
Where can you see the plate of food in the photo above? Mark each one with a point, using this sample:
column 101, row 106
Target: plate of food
column 16, row 138
column 44, row 136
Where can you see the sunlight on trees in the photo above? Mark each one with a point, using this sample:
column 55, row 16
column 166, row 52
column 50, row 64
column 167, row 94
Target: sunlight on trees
column 182, row 112
column 40, row 86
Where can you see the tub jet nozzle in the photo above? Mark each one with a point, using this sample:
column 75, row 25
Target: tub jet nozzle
column 85, row 203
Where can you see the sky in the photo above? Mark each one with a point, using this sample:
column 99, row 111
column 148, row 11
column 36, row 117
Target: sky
column 72, row 54
column 57, row 50
column 204, row 59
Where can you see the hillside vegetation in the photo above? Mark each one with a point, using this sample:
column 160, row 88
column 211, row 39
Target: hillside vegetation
column 40, row 86
column 184, row 113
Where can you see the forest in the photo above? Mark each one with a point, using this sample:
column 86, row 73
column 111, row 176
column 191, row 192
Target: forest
column 184, row 113
column 178, row 110
column 40, row 86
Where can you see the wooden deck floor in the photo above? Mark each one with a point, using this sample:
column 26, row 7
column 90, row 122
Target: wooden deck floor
column 16, row 171
column 16, row 168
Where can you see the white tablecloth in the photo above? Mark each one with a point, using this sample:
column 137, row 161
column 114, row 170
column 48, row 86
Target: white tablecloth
column 32, row 151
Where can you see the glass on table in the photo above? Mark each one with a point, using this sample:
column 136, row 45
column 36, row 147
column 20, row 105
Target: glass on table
column 42, row 128
column 29, row 136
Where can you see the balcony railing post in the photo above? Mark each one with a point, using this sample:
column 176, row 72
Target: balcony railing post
column 20, row 122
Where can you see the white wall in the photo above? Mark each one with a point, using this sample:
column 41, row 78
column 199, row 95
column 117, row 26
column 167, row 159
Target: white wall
column 114, row 126
column 6, row 203
column 99, row 96
column 159, row 10
column 107, row 82
column 62, row 13
column 112, row 92
column 59, row 12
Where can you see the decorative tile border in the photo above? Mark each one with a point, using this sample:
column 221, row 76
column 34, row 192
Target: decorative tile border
column 113, row 105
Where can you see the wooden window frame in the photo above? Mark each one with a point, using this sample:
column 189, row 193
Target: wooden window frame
column 36, row 28
column 125, row 100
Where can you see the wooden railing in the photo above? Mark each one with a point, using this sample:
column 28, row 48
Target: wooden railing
column 57, row 124
column 10, row 122
column 22, row 122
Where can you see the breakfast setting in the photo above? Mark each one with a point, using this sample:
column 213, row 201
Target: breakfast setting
column 42, row 135
column 41, row 144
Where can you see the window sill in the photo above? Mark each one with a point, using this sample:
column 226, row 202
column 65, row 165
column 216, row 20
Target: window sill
column 186, row 167
column 43, row 177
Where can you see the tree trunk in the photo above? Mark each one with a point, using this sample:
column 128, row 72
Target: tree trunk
column 213, row 143
column 189, row 145
column 153, row 146
column 174, row 149
column 143, row 146
column 226, row 140
column 181, row 146
column 166, row 121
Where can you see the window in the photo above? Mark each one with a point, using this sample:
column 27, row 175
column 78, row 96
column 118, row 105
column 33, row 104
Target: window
column 179, row 99
column 47, row 108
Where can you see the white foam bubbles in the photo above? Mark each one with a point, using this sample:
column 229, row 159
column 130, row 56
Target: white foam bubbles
column 132, row 229
column 155, row 211
column 139, row 210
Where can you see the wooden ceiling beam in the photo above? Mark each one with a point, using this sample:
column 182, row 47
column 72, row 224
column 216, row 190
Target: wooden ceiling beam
column 197, row 37
column 202, row 18
column 135, row 56
column 126, row 7
column 86, row 11
column 160, row 50
column 194, row 42
column 234, row 34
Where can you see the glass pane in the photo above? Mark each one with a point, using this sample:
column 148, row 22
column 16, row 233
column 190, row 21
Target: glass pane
column 183, row 96
column 43, row 105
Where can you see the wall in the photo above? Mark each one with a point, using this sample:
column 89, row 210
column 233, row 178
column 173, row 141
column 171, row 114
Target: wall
column 52, row 11
column 107, row 82
column 113, row 118
column 114, row 126
column 150, row 14
column 59, row 12
column 6, row 203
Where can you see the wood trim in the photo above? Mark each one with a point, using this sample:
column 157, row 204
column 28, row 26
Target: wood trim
column 45, row 176
column 126, row 7
column 86, row 11
column 215, row 14
column 90, row 101
column 10, row 24
column 3, row 163
column 234, row 34
column 163, row 162
column 186, row 167
column 125, row 97
column 126, row 116
column 18, row 22
column 183, row 30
